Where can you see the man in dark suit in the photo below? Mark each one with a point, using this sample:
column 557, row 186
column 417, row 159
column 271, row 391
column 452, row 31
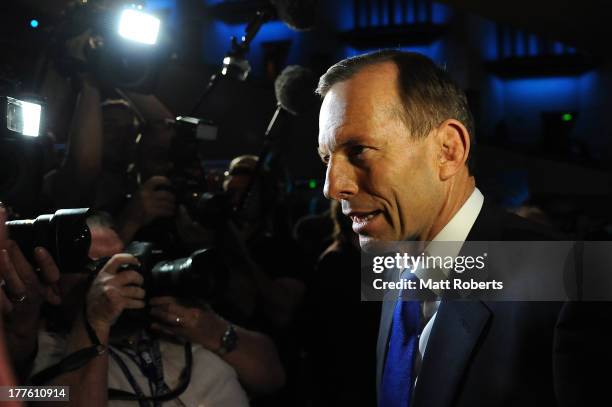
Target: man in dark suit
column 395, row 132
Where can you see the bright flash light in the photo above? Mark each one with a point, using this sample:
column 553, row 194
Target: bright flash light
column 138, row 26
column 23, row 117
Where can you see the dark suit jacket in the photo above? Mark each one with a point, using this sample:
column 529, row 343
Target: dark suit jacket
column 486, row 353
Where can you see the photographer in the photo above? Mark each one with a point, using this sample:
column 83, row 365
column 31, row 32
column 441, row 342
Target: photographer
column 23, row 290
column 116, row 159
column 281, row 288
column 219, row 372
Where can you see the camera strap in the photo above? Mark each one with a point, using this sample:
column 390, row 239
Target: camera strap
column 148, row 358
column 184, row 379
column 75, row 360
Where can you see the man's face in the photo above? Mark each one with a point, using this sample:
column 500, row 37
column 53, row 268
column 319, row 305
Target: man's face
column 386, row 181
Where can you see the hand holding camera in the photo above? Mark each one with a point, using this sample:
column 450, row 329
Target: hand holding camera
column 194, row 324
column 153, row 201
column 24, row 290
column 113, row 291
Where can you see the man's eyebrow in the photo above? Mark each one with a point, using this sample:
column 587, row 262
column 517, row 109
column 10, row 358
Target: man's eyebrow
column 343, row 145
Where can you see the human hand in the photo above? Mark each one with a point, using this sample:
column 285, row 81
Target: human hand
column 24, row 289
column 152, row 202
column 194, row 324
column 113, row 291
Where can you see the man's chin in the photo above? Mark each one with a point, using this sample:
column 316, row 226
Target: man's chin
column 370, row 244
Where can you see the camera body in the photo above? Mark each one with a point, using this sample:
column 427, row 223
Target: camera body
column 187, row 174
column 202, row 276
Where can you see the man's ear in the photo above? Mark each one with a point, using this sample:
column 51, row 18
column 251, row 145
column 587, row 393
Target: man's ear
column 454, row 148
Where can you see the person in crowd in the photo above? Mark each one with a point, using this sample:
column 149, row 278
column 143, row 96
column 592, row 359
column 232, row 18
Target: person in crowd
column 335, row 306
column 230, row 363
column 395, row 133
column 117, row 158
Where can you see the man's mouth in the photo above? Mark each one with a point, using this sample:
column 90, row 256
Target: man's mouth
column 361, row 220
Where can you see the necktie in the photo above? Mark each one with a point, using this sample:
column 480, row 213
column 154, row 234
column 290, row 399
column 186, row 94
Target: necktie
column 397, row 380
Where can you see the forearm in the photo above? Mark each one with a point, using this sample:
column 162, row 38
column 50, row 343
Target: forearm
column 89, row 384
column 86, row 134
column 150, row 106
column 255, row 358
column 22, row 351
column 22, row 344
column 128, row 223
column 256, row 362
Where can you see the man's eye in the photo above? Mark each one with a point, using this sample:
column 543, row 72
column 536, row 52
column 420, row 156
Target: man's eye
column 356, row 151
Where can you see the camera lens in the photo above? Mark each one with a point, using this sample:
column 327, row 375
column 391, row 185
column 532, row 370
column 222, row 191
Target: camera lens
column 64, row 234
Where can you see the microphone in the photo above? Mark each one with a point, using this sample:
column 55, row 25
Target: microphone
column 294, row 89
column 295, row 94
column 297, row 14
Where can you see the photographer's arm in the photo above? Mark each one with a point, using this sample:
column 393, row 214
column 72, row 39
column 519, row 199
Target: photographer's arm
column 23, row 294
column 151, row 108
column 280, row 296
column 255, row 358
column 111, row 292
column 86, row 134
column 150, row 202
column 74, row 182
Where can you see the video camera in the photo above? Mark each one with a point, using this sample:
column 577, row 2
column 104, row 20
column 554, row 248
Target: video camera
column 125, row 48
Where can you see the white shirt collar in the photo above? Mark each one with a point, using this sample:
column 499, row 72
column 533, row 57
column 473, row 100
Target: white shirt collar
column 457, row 229
column 453, row 234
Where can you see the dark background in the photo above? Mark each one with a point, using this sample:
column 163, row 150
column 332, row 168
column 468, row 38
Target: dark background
column 537, row 74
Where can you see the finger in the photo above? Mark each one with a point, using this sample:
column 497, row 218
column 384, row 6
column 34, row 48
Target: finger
column 112, row 266
column 23, row 267
column 162, row 300
column 172, row 307
column 6, row 304
column 50, row 273
column 14, row 284
column 165, row 317
column 162, row 328
column 134, row 304
column 128, row 277
column 132, row 292
column 176, row 309
column 51, row 294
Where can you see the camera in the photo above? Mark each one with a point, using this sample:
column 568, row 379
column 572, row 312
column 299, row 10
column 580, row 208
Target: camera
column 187, row 175
column 64, row 234
column 201, row 276
column 21, row 153
column 130, row 44
column 20, row 117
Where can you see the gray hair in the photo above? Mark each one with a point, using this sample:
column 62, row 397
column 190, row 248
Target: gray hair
column 429, row 95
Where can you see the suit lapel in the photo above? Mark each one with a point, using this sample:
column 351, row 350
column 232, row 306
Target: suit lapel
column 456, row 330
column 386, row 318
column 455, row 333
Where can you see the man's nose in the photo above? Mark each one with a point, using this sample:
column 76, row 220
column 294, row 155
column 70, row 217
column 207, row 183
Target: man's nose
column 340, row 180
